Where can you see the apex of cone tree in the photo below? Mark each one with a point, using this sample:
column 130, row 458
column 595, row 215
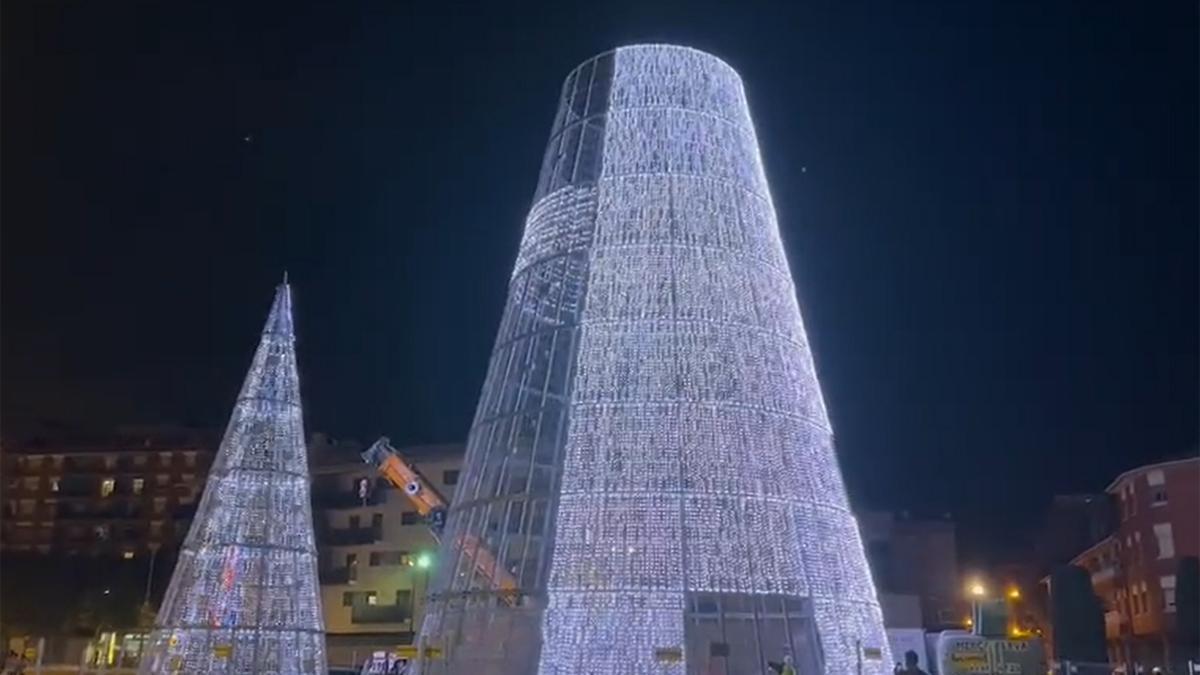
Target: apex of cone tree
column 272, row 375
column 279, row 321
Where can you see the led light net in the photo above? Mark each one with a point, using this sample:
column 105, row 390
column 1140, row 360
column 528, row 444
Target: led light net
column 244, row 596
column 687, row 514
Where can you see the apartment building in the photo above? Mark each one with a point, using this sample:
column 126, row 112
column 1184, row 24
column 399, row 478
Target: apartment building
column 377, row 553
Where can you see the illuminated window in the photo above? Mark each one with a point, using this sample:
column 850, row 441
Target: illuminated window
column 54, row 483
column 1168, row 590
column 372, row 598
column 1166, row 540
column 107, row 486
column 139, row 484
column 128, row 555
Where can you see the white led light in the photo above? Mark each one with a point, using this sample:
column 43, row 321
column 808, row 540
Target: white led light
column 651, row 456
column 244, row 596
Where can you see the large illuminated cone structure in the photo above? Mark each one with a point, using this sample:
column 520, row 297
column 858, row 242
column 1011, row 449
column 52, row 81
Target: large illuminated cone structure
column 651, row 463
column 244, row 597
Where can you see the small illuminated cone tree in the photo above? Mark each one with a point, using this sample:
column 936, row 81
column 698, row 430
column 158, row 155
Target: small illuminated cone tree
column 244, row 596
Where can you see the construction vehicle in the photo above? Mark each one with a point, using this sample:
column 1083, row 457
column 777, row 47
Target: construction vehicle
column 431, row 505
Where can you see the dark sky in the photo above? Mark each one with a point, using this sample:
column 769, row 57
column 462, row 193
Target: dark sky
column 990, row 210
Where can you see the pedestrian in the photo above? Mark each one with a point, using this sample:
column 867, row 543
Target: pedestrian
column 910, row 664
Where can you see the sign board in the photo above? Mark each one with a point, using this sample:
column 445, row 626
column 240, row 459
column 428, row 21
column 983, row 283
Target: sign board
column 406, row 651
column 966, row 654
column 872, row 654
column 222, row 651
column 668, row 655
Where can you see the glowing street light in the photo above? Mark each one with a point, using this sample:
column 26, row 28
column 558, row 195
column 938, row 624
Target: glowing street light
column 977, row 589
column 424, row 560
column 1014, row 593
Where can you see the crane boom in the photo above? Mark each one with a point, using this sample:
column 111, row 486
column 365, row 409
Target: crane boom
column 432, row 505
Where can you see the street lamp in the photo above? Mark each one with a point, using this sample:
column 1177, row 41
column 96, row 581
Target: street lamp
column 977, row 589
column 1014, row 593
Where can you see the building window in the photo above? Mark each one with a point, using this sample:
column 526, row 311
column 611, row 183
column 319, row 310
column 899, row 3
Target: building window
column 110, row 461
column 161, row 480
column 156, row 528
column 353, row 598
column 1145, row 601
column 139, row 484
column 1158, row 496
column 31, row 483
column 34, row 463
column 1166, row 540
column 54, row 483
column 189, row 458
column 160, row 504
column 128, row 555
column 139, row 460
column 404, row 597
column 164, row 459
column 1155, row 477
column 377, row 521
column 189, row 478
column 355, row 522
column 107, row 486
column 27, row 507
column 1168, row 592
column 450, row 477
column 101, row 532
column 388, row 558
column 410, row 518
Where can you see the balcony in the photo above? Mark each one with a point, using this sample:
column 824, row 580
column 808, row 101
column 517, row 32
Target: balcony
column 1105, row 574
column 380, row 613
column 346, row 499
column 1115, row 625
column 349, row 536
column 337, row 575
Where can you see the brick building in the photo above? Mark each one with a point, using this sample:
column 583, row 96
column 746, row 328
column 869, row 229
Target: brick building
column 122, row 496
column 1133, row 570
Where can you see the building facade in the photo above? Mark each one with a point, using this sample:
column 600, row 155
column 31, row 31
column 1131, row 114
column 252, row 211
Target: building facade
column 914, row 562
column 1134, row 569
column 125, row 496
column 650, row 482
column 377, row 553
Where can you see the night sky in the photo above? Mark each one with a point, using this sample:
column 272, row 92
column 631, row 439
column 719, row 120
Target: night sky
column 990, row 211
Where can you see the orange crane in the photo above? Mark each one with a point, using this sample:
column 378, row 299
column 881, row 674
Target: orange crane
column 432, row 506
